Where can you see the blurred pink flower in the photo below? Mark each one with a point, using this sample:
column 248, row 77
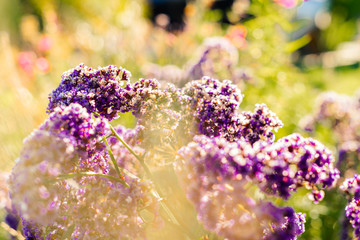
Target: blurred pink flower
column 26, row 61
column 45, row 43
column 286, row 3
column 43, row 64
column 237, row 34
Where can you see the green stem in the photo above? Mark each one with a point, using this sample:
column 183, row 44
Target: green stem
column 140, row 159
column 117, row 169
column 148, row 173
column 91, row 174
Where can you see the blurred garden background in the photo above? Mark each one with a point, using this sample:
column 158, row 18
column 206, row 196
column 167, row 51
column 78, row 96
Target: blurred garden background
column 284, row 53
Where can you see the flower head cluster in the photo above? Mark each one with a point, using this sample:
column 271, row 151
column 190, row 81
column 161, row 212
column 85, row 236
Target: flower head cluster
column 258, row 125
column 216, row 171
column 98, row 209
column 157, row 111
column 339, row 111
column 293, row 162
column 351, row 188
column 74, row 125
column 43, row 158
column 108, row 210
column 218, row 60
column 218, row 57
column 211, row 104
column 66, row 142
column 101, row 91
column 229, row 151
column 87, row 207
column 288, row 223
column 341, row 114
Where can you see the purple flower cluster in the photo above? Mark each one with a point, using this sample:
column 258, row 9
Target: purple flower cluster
column 87, row 207
column 157, row 111
column 211, row 104
column 68, row 141
column 74, row 125
column 163, row 113
column 107, row 92
column 43, row 158
column 215, row 171
column 258, row 125
column 108, row 210
column 351, row 188
column 340, row 113
column 289, row 223
column 224, row 152
column 218, row 60
column 102, row 91
column 98, row 209
column 294, row 162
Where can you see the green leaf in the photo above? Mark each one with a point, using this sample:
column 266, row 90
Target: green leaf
column 298, row 43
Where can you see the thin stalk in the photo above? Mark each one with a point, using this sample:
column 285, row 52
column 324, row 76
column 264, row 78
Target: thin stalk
column 165, row 207
column 91, row 174
column 140, row 159
column 117, row 169
column 148, row 173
